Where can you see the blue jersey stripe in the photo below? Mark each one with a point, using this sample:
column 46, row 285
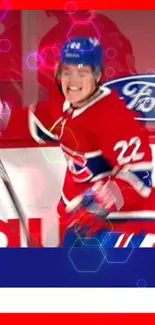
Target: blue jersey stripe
column 96, row 165
column 45, row 137
column 145, row 177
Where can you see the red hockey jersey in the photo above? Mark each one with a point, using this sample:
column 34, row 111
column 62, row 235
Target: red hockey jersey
column 101, row 140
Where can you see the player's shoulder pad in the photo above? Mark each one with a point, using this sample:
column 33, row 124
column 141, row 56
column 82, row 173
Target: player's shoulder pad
column 110, row 96
column 109, row 101
column 115, row 106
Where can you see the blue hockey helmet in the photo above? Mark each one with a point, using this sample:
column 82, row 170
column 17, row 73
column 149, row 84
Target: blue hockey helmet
column 83, row 51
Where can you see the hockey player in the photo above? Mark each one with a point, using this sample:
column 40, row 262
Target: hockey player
column 109, row 161
column 119, row 58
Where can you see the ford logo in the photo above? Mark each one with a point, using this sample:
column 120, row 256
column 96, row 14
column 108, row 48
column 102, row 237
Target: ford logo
column 139, row 94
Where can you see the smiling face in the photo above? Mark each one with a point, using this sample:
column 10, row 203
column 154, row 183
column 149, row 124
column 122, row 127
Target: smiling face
column 78, row 82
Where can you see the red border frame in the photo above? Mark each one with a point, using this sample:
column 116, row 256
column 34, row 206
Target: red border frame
column 82, row 4
column 78, row 319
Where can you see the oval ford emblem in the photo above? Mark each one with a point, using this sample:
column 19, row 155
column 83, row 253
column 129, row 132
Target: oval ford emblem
column 139, row 94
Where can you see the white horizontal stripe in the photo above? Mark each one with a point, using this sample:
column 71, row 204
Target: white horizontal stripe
column 145, row 118
column 77, row 300
column 135, row 182
column 93, row 154
column 90, row 154
column 83, row 180
column 144, row 166
column 79, row 172
column 133, row 215
column 100, row 176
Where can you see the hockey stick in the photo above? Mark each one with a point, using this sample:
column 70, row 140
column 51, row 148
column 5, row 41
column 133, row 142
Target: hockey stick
column 4, row 175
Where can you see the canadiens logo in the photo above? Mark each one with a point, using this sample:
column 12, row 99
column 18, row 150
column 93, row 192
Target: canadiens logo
column 139, row 94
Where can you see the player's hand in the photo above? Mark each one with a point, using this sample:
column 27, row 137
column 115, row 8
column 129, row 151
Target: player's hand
column 99, row 193
column 90, row 209
column 5, row 114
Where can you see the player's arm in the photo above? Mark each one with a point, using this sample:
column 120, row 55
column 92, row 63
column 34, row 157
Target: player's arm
column 23, row 124
column 42, row 122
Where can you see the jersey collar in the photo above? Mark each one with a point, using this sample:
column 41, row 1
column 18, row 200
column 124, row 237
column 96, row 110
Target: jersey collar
column 105, row 92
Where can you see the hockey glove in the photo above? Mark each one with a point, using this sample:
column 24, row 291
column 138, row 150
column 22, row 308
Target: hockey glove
column 88, row 212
